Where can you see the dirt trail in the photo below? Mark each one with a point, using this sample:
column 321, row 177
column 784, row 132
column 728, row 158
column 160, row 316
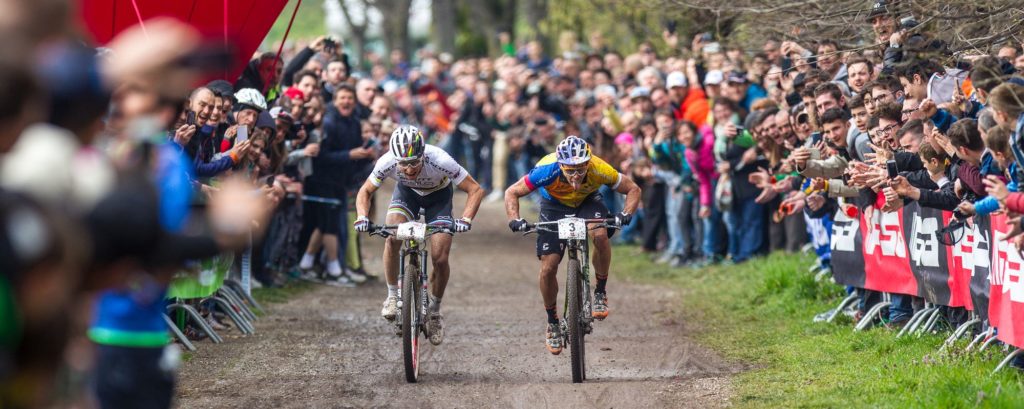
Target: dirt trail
column 329, row 348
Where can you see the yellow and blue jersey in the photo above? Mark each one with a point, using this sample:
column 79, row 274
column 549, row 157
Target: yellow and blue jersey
column 547, row 176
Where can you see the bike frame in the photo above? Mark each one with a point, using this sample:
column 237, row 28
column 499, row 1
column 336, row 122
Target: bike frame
column 416, row 252
column 574, row 249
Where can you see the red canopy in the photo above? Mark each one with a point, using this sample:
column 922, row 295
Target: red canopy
column 245, row 25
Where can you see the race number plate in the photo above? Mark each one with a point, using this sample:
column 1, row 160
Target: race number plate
column 572, row 229
column 411, row 231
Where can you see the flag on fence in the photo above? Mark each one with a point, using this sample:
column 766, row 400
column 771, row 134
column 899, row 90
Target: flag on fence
column 929, row 259
column 979, row 237
column 898, row 252
column 886, row 260
column 847, row 252
column 1006, row 300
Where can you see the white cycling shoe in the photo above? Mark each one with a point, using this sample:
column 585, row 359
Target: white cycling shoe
column 390, row 310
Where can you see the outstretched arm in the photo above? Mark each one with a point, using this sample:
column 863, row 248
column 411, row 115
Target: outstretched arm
column 476, row 195
column 512, row 195
column 363, row 198
column 628, row 188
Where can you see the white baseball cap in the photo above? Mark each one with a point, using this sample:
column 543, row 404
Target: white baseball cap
column 675, row 79
column 714, row 77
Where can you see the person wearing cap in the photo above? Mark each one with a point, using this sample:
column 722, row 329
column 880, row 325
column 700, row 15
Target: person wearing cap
column 688, row 103
column 883, row 21
column 742, row 91
column 641, row 99
column 713, row 84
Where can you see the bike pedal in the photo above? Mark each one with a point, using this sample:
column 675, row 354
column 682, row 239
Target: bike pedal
column 587, row 328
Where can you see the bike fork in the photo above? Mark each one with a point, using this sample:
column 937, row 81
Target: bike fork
column 424, row 293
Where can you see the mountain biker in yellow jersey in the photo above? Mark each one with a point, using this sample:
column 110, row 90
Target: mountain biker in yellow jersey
column 425, row 175
column 568, row 181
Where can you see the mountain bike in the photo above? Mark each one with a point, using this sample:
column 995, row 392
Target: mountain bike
column 412, row 282
column 577, row 319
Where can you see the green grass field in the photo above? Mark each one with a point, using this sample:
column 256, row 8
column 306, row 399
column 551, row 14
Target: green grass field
column 759, row 315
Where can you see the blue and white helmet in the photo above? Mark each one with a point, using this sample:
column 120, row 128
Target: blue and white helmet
column 573, row 151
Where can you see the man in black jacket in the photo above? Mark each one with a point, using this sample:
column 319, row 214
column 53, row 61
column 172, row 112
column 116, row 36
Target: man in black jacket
column 747, row 217
column 340, row 147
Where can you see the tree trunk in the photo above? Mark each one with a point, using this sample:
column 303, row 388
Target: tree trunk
column 395, row 15
column 443, row 12
column 536, row 12
column 491, row 18
column 357, row 33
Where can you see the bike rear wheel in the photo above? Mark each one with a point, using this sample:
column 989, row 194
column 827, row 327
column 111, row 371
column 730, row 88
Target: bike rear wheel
column 573, row 320
column 410, row 322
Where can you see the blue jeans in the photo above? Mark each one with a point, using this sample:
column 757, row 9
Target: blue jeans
column 746, row 229
column 711, row 232
column 673, row 207
column 902, row 307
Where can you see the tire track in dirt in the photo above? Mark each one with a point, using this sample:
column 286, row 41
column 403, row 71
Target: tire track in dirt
column 329, row 348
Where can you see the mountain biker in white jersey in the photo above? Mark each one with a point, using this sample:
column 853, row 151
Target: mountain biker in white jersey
column 425, row 175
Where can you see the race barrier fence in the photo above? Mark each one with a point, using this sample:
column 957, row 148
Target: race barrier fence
column 901, row 253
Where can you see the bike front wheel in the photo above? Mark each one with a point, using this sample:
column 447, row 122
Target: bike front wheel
column 574, row 320
column 410, row 322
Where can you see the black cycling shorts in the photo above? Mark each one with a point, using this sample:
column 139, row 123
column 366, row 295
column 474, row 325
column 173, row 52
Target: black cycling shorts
column 436, row 206
column 592, row 208
column 327, row 217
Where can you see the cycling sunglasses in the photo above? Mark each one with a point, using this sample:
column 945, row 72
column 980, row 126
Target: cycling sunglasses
column 410, row 163
column 580, row 171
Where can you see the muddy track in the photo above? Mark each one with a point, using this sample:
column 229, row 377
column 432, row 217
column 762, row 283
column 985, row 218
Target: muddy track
column 329, row 348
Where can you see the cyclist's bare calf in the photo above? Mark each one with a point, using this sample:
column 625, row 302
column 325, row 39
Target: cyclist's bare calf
column 440, row 245
column 549, row 279
column 602, row 257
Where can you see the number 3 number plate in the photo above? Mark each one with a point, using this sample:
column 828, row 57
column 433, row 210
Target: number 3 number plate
column 572, row 229
column 411, row 231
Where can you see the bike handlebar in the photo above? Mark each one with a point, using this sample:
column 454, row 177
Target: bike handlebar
column 543, row 226
column 387, row 230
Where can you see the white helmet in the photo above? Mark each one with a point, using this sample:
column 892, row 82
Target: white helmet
column 249, row 97
column 407, row 143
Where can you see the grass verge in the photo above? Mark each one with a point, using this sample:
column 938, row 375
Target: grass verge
column 293, row 288
column 759, row 314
